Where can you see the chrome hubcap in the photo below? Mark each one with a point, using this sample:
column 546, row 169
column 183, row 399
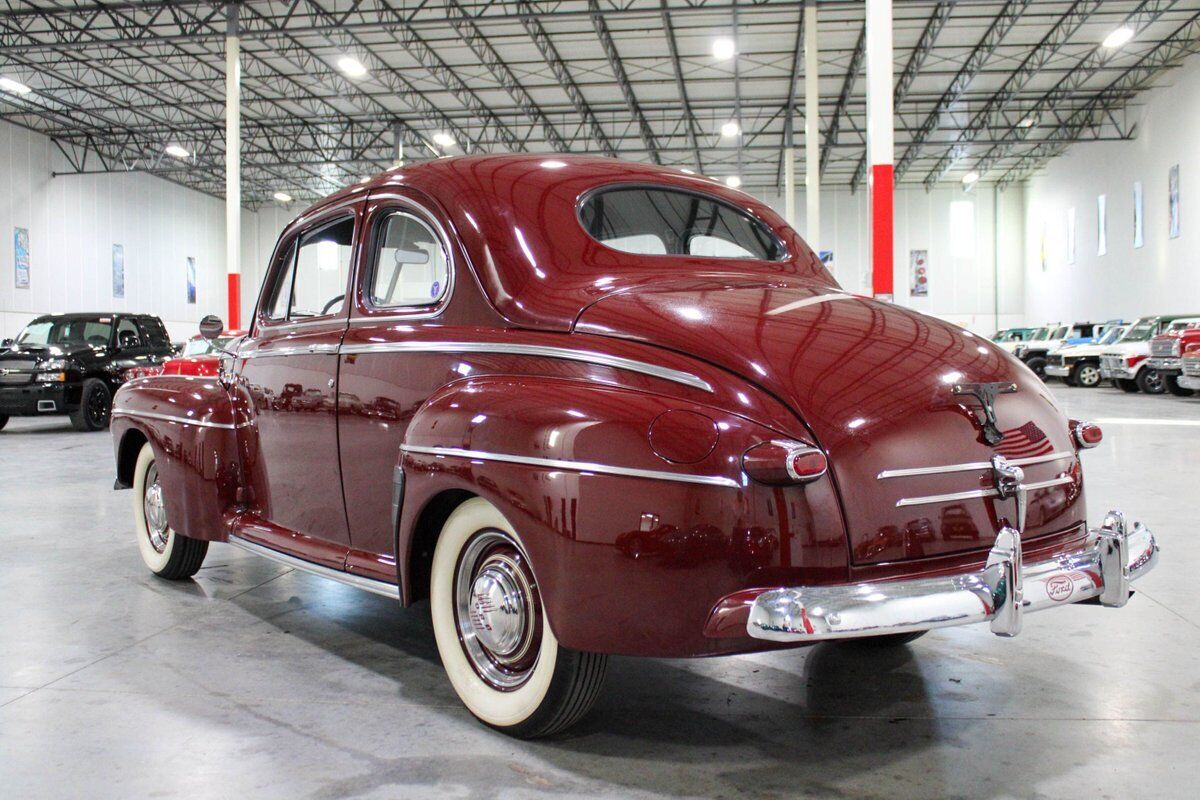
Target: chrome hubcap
column 498, row 610
column 155, row 511
column 1089, row 376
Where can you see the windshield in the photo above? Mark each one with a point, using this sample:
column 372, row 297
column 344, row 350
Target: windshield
column 75, row 331
column 200, row 347
column 1140, row 332
column 1112, row 335
column 1041, row 335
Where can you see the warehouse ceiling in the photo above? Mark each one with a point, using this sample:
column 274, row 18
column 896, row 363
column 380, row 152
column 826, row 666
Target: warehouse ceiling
column 992, row 88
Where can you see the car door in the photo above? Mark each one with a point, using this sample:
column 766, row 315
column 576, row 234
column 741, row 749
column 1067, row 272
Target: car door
column 405, row 292
column 131, row 347
column 288, row 370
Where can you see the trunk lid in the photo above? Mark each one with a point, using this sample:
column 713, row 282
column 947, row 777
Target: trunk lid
column 873, row 383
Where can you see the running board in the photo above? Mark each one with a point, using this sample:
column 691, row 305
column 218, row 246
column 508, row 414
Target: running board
column 357, row 581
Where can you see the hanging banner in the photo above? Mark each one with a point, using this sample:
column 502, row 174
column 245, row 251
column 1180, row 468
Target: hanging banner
column 918, row 262
column 1139, row 232
column 118, row 271
column 191, row 280
column 1173, row 200
column 21, row 257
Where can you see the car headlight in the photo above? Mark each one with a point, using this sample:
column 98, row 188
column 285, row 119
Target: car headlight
column 51, row 376
column 53, row 364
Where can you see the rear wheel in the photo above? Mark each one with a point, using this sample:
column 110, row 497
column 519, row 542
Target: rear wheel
column 492, row 633
column 1085, row 374
column 3, row 421
column 1174, row 388
column 1038, row 365
column 1126, row 385
column 166, row 553
column 95, row 405
column 1151, row 381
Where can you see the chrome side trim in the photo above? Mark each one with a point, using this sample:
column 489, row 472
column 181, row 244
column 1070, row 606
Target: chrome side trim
column 974, row 465
column 199, row 423
column 972, row 493
column 544, row 351
column 357, row 581
column 306, row 350
column 572, row 466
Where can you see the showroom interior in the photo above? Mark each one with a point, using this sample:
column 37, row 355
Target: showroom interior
column 1018, row 176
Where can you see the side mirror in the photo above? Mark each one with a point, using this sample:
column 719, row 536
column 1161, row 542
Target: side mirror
column 211, row 327
column 7, row 343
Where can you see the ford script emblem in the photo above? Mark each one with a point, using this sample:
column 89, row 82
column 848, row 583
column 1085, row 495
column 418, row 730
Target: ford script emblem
column 1060, row 588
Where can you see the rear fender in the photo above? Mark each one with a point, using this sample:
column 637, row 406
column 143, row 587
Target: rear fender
column 194, row 429
column 631, row 548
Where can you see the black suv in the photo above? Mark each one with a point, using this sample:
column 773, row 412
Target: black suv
column 72, row 364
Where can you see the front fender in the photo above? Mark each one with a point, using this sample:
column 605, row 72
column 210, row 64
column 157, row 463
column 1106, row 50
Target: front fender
column 632, row 505
column 193, row 428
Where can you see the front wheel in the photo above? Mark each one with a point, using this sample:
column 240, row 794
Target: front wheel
column 1126, row 385
column 3, row 421
column 492, row 633
column 1151, row 381
column 1172, row 386
column 1038, row 365
column 166, row 553
column 95, row 405
column 1086, row 374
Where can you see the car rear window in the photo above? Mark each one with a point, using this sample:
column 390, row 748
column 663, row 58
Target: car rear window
column 656, row 221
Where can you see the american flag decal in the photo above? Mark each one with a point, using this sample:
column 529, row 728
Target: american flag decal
column 1025, row 441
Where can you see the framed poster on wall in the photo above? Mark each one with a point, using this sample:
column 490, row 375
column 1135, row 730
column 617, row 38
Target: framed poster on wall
column 21, row 257
column 918, row 264
column 1071, row 235
column 1173, row 201
column 191, row 280
column 118, row 271
column 1139, row 230
column 1101, row 224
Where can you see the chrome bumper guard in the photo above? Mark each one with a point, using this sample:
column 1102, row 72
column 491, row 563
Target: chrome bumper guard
column 1057, row 370
column 1162, row 363
column 1001, row 594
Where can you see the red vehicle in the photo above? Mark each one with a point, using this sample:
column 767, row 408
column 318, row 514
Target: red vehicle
column 1190, row 365
column 587, row 407
column 1166, row 357
column 199, row 357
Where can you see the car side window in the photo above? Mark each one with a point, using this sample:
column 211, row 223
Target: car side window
column 127, row 334
column 411, row 267
column 322, row 268
column 153, row 332
column 281, row 293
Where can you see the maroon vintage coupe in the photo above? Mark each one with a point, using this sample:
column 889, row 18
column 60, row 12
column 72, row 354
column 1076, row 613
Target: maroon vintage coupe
column 587, row 407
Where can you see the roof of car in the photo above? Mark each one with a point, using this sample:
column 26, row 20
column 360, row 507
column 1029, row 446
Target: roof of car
column 91, row 315
column 516, row 217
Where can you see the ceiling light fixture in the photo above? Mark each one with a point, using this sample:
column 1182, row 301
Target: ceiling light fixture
column 971, row 178
column 351, row 66
column 1026, row 122
column 16, row 87
column 1118, row 37
column 723, row 49
column 283, row 197
column 177, row 151
column 730, row 129
column 733, row 181
column 443, row 140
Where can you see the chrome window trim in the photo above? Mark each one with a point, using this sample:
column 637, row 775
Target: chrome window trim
column 199, row 423
column 572, row 466
column 974, row 465
column 973, row 493
column 384, row 588
column 545, row 351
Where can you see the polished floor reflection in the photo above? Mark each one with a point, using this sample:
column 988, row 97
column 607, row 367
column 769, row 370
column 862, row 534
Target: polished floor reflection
column 256, row 681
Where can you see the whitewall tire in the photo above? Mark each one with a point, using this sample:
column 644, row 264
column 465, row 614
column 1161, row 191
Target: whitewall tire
column 166, row 553
column 497, row 646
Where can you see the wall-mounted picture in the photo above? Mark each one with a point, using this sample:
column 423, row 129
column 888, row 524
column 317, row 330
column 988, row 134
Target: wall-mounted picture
column 1139, row 228
column 118, row 271
column 918, row 261
column 1101, row 224
column 191, row 280
column 1042, row 247
column 21, row 257
column 1173, row 200
column 1071, row 235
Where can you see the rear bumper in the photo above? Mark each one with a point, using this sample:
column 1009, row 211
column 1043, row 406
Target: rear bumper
column 33, row 399
column 1000, row 594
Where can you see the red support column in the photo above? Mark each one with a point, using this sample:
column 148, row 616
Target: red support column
column 880, row 144
column 882, row 257
column 233, row 320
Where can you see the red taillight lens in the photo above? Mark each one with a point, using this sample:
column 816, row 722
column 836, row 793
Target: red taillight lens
column 783, row 463
column 1087, row 434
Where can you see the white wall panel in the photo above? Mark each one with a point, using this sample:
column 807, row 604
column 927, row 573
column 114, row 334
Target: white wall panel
column 1161, row 277
column 75, row 220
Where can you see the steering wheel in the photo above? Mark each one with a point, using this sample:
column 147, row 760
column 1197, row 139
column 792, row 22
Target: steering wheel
column 333, row 303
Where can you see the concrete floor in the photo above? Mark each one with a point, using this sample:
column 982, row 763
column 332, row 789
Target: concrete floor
column 256, row 681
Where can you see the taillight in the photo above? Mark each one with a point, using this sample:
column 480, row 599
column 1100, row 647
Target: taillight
column 782, row 463
column 1087, row 434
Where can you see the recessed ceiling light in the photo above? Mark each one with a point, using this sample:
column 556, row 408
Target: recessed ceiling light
column 443, row 140
column 283, row 197
column 177, row 151
column 723, row 49
column 733, row 181
column 1118, row 37
column 730, row 129
column 970, row 178
column 351, row 66
column 16, row 87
